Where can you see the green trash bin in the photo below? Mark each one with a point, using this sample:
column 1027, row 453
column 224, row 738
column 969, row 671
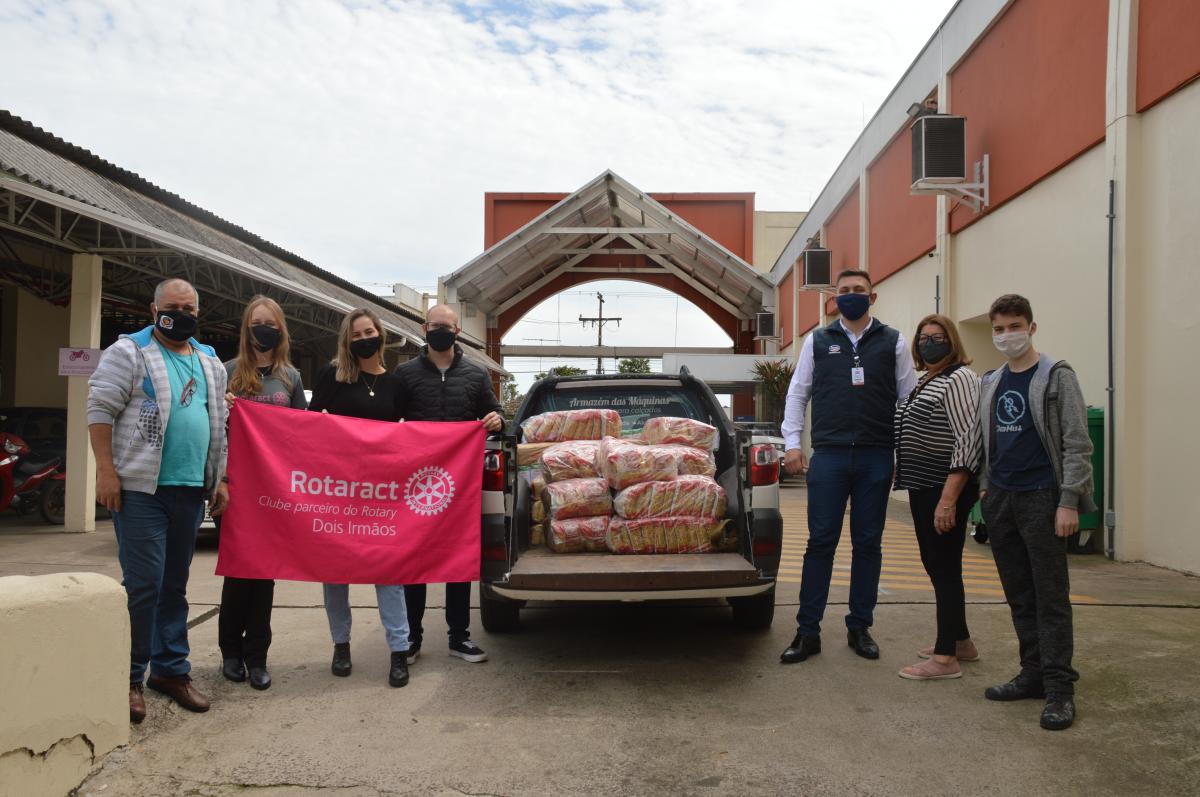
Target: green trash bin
column 1092, row 523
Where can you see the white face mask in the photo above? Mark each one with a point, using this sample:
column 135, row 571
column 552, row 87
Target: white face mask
column 1012, row 344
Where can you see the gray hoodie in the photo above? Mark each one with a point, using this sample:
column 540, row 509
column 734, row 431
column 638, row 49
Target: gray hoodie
column 123, row 393
column 1060, row 417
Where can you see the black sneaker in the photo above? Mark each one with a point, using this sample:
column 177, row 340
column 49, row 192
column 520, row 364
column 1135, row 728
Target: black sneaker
column 1059, row 713
column 467, row 650
column 398, row 671
column 1018, row 688
column 414, row 653
column 341, row 659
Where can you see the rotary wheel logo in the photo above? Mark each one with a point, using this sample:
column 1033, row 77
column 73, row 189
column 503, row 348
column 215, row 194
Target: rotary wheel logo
column 429, row 491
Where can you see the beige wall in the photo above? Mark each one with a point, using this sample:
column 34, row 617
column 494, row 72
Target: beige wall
column 32, row 334
column 1050, row 245
column 772, row 231
column 1156, row 511
column 65, row 665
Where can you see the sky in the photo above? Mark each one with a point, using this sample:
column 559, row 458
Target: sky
column 362, row 134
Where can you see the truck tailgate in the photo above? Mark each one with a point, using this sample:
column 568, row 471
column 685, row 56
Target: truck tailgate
column 539, row 568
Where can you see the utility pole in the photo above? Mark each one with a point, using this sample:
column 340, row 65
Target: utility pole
column 599, row 321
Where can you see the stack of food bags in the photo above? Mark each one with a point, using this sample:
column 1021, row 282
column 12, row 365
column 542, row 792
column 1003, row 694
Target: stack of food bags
column 577, row 513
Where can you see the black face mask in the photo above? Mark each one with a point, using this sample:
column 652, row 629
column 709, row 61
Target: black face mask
column 176, row 325
column 265, row 338
column 364, row 348
column 933, row 352
column 440, row 339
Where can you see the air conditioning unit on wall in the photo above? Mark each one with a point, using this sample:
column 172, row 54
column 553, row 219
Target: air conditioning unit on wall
column 818, row 268
column 764, row 326
column 939, row 160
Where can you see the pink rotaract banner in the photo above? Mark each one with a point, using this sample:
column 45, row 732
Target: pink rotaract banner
column 317, row 497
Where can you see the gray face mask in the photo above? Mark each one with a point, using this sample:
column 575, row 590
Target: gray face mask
column 1012, row 344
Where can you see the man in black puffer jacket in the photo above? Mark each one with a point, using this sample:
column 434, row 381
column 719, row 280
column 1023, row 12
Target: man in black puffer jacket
column 440, row 385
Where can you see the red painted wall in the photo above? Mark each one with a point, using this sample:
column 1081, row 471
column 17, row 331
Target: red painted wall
column 841, row 234
column 810, row 313
column 1033, row 93
column 726, row 218
column 785, row 302
column 1168, row 54
column 900, row 227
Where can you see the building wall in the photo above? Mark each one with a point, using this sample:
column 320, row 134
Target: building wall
column 785, row 305
column 772, row 231
column 1168, row 54
column 1161, row 339
column 900, row 227
column 1033, row 93
column 1060, row 267
column 33, row 332
column 907, row 296
column 841, row 234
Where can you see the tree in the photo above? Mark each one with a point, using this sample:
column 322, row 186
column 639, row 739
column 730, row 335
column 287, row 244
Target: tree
column 510, row 397
column 774, row 376
column 634, row 365
column 561, row 370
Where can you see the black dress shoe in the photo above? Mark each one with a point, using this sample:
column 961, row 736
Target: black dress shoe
column 1017, row 689
column 260, row 677
column 341, row 659
column 860, row 640
column 1059, row 713
column 801, row 648
column 398, row 672
column 234, row 670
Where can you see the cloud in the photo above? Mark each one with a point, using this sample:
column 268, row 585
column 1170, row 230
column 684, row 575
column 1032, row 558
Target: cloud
column 362, row 135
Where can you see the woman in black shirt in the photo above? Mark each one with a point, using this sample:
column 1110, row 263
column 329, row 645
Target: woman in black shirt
column 358, row 385
column 937, row 458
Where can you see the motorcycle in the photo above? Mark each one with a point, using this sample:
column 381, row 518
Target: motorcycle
column 28, row 481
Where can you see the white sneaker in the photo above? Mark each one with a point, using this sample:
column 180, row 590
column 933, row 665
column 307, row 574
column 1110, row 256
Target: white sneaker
column 468, row 651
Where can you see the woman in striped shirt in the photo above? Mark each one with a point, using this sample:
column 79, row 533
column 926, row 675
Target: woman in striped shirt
column 937, row 458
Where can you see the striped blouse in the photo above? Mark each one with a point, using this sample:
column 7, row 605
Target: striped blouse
column 935, row 430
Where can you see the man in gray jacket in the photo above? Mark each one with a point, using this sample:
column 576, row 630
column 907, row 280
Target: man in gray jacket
column 1037, row 477
column 156, row 417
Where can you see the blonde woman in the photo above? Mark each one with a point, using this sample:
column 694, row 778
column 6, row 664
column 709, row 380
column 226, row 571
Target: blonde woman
column 358, row 385
column 261, row 372
column 938, row 454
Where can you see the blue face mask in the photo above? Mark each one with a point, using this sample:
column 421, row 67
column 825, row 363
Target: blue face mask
column 853, row 306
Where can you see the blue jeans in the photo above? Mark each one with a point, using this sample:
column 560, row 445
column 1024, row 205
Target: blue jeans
column 156, row 536
column 392, row 613
column 862, row 476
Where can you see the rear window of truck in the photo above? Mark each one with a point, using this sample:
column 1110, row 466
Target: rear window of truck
column 636, row 405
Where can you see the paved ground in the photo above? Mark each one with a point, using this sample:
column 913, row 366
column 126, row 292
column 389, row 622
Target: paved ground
column 653, row 699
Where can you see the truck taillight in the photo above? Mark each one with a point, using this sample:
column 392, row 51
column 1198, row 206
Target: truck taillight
column 765, row 548
column 493, row 471
column 495, row 553
column 764, row 465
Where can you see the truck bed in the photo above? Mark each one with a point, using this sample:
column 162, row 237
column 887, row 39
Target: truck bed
column 540, row 568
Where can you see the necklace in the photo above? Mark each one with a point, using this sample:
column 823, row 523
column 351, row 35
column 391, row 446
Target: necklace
column 370, row 385
column 189, row 388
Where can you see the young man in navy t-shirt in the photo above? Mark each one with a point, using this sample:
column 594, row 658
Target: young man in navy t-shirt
column 1037, row 478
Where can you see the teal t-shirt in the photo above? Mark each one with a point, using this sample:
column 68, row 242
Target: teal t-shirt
column 185, row 444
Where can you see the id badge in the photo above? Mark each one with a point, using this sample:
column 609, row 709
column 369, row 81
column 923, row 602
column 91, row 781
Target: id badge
column 856, row 377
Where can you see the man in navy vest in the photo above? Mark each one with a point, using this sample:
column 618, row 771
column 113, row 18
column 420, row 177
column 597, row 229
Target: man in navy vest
column 852, row 371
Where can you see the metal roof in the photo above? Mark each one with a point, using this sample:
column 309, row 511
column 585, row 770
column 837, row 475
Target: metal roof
column 608, row 216
column 50, row 172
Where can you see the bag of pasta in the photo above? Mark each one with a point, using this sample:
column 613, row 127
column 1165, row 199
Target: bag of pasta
column 577, row 498
column 684, row 431
column 663, row 535
column 690, row 496
column 576, row 535
column 696, row 461
column 560, row 425
column 624, row 463
column 576, row 459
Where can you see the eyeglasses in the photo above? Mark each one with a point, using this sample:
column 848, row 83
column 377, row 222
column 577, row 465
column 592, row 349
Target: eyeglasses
column 938, row 338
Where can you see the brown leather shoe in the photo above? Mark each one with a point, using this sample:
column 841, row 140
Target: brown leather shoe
column 180, row 690
column 137, row 703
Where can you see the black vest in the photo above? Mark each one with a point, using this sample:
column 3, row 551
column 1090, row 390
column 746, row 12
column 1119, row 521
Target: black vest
column 843, row 414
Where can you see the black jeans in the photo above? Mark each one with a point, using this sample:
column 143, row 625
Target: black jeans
column 458, row 610
column 1033, row 569
column 244, row 623
column 942, row 556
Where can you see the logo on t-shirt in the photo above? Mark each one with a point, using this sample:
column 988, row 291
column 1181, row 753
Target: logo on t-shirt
column 835, row 348
column 1010, row 410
